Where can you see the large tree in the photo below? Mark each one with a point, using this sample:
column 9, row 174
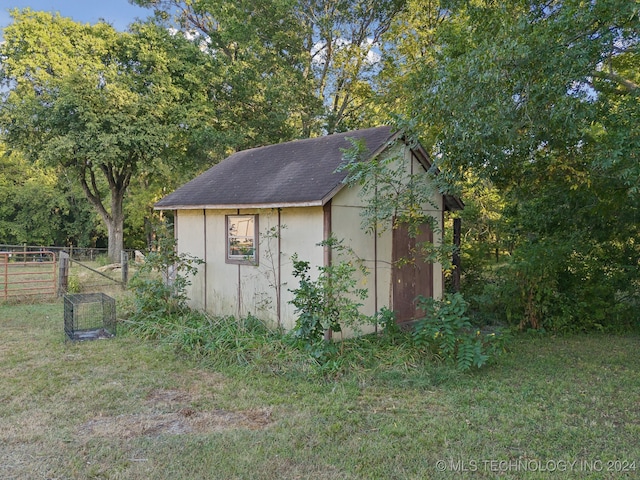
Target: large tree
column 325, row 54
column 108, row 107
column 260, row 93
column 542, row 100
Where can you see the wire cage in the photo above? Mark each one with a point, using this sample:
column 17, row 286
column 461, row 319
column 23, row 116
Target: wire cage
column 89, row 316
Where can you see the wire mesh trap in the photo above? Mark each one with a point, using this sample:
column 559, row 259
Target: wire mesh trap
column 89, row 316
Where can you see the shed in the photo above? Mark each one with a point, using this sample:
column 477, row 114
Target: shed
column 246, row 216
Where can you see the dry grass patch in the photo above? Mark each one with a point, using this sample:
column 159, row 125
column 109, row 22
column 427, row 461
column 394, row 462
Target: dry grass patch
column 184, row 421
column 173, row 414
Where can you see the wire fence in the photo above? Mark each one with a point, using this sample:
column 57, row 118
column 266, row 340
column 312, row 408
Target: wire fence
column 86, row 270
column 81, row 254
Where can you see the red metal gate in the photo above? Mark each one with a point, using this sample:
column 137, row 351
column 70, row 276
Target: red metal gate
column 27, row 273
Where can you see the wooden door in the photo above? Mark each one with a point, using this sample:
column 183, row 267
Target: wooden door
column 412, row 276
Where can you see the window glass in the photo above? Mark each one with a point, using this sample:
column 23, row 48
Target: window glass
column 241, row 238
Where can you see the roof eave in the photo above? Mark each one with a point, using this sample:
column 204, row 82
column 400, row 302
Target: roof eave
column 452, row 203
column 242, row 206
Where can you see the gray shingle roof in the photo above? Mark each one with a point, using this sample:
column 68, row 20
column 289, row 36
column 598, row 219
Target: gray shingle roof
column 297, row 173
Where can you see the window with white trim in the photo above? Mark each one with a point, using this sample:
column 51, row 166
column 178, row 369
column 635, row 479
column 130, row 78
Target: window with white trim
column 242, row 239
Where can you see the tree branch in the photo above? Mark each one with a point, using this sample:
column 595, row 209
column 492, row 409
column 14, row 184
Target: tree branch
column 92, row 195
column 627, row 84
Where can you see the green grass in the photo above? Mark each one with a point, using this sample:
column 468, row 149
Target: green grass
column 124, row 408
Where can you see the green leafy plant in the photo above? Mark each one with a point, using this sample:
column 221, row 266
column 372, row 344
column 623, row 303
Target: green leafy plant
column 447, row 332
column 386, row 318
column 327, row 303
column 395, row 197
column 73, row 284
column 160, row 284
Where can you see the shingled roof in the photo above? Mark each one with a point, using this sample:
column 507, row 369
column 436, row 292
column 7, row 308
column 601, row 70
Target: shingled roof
column 297, row 173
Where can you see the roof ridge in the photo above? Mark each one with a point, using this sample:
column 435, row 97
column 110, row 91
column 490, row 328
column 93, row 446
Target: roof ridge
column 310, row 139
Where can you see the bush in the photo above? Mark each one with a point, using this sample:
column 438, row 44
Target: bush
column 446, row 332
column 159, row 285
column 327, row 303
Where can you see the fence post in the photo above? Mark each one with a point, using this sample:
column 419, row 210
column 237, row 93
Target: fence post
column 124, row 268
column 5, row 262
column 457, row 233
column 63, row 273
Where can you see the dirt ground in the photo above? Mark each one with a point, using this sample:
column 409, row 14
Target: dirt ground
column 171, row 414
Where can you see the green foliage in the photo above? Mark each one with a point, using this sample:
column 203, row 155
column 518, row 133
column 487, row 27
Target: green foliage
column 307, row 66
column 446, row 332
column 327, row 303
column 73, row 284
column 159, row 285
column 38, row 208
column 536, row 100
column 218, row 340
column 109, row 108
column 386, row 319
column 394, row 196
column 548, row 286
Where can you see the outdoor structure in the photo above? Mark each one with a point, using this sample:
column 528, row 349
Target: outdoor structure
column 89, row 316
column 246, row 216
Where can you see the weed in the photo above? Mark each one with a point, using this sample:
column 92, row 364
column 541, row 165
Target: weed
column 447, row 332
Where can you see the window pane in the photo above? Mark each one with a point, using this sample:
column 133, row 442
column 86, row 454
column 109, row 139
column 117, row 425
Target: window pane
column 241, row 237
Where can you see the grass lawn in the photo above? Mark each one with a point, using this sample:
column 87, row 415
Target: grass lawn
column 553, row 407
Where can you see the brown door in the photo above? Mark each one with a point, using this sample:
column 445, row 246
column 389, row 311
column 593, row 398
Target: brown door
column 412, row 276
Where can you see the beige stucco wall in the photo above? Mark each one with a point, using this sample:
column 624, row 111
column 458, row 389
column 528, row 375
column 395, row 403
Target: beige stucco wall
column 347, row 224
column 189, row 234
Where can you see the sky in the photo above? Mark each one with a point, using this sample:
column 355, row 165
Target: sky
column 118, row 13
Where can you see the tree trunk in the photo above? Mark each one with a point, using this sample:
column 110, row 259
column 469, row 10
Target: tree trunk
column 115, row 228
column 116, row 239
column 114, row 220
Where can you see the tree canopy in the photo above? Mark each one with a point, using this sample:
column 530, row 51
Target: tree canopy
column 110, row 107
column 542, row 99
column 324, row 54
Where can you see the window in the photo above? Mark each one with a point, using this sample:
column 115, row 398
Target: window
column 242, row 235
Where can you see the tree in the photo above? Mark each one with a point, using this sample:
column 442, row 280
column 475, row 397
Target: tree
column 38, row 206
column 310, row 62
column 540, row 99
column 106, row 106
column 260, row 93
column 410, row 45
column 342, row 43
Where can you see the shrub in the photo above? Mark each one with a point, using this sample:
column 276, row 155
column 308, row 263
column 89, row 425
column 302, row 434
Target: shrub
column 159, row 285
column 446, row 332
column 327, row 303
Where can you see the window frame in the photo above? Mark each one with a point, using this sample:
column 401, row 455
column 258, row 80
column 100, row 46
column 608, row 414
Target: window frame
column 241, row 259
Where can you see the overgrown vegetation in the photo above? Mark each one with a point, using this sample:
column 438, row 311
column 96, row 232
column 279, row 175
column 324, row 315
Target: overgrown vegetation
column 447, row 333
column 159, row 285
column 329, row 303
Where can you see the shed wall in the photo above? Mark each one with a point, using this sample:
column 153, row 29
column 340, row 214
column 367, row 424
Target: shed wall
column 240, row 290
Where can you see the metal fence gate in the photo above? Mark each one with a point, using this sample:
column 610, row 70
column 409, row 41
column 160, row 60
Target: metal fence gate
column 27, row 273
